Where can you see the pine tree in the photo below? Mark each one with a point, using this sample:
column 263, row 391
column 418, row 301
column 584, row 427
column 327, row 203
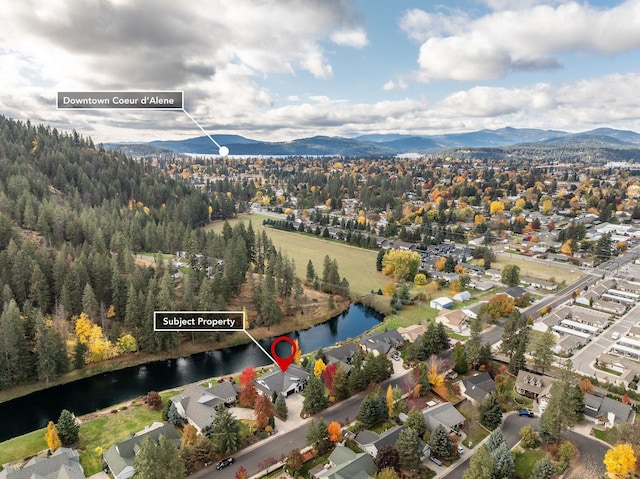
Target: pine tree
column 480, row 466
column 373, row 409
column 15, row 361
column 543, row 469
column 409, row 448
column 317, row 435
column 224, row 431
column 543, row 353
column 490, row 412
column 281, row 407
column 416, row 421
column 68, row 429
column 503, row 462
column 46, row 350
column 154, row 461
column 314, row 398
column 440, row 443
column 340, row 384
column 311, row 272
column 495, row 440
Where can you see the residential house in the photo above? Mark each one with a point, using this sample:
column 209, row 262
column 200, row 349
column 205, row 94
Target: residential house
column 533, row 385
column 441, row 303
column 567, row 344
column 381, row 342
column 516, row 292
column 341, row 355
column 413, row 332
column 455, row 320
column 197, row 405
column 371, row 442
column 604, row 410
column 627, row 368
column 291, row 381
column 472, row 311
column 478, row 387
column 344, row 463
column 443, row 414
column 483, row 285
column 538, row 283
column 495, row 274
column 64, row 463
column 462, row 296
column 120, row 457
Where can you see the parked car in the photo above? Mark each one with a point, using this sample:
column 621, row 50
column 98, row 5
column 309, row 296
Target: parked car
column 460, row 449
column 525, row 412
column 395, row 357
column 435, row 460
column 224, row 463
column 615, row 335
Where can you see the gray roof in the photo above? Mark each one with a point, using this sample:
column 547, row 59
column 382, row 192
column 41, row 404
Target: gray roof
column 342, row 353
column 382, row 342
column 123, row 454
column 516, row 292
column 198, row 404
column 367, row 437
column 348, row 465
column 605, row 405
column 282, row 382
column 479, row 386
column 445, row 414
column 64, row 463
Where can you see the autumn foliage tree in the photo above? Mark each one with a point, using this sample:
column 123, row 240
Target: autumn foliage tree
column 620, row 461
column 401, row 264
column 585, row 386
column 327, row 376
column 189, row 435
column 248, row 391
column 52, row 438
column 263, row 410
column 334, row 430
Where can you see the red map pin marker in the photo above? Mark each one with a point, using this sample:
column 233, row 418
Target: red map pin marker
column 284, row 363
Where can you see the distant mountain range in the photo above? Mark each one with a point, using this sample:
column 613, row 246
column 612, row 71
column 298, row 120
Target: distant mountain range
column 389, row 145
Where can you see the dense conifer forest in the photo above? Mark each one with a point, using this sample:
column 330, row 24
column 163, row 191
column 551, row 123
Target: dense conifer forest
column 72, row 218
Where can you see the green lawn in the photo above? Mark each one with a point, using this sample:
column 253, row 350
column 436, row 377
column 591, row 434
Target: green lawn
column 96, row 435
column 602, row 435
column 524, row 462
column 101, row 433
column 22, row 446
column 475, row 434
column 381, row 427
column 358, row 265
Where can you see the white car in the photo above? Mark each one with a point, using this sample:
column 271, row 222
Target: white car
column 615, row 335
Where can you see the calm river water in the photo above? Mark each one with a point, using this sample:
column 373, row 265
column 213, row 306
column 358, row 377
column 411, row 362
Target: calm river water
column 34, row 411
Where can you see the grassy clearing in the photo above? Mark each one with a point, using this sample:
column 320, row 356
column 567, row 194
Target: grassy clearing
column 539, row 269
column 99, row 434
column 602, row 435
column 358, row 265
column 475, row 434
column 22, row 446
column 524, row 462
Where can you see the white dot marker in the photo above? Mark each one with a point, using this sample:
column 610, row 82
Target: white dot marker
column 223, row 151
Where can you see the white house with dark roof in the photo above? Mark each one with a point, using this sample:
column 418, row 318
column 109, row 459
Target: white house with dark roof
column 604, row 410
column 64, row 463
column 197, row 405
column 292, row 381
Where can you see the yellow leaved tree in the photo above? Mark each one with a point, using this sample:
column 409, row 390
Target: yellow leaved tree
column 52, row 438
column 319, row 367
column 620, row 461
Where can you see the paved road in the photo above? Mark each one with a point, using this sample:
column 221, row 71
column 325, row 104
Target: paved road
column 282, row 444
column 591, row 452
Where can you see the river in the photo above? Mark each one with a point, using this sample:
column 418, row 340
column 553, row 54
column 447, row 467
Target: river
column 34, row 411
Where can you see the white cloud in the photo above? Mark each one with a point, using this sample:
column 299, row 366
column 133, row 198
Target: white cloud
column 530, row 38
column 395, row 85
column 356, row 38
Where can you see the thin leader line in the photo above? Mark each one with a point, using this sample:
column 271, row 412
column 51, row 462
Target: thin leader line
column 203, row 130
column 260, row 346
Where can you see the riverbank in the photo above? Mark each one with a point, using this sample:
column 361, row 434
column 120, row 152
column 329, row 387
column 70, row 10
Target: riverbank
column 315, row 310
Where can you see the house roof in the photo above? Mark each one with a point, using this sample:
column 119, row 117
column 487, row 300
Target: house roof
column 64, row 463
column 413, row 332
column 382, row 341
column 455, row 317
column 605, row 405
column 342, row 353
column 281, row 382
column 347, row 464
column 366, row 437
column 445, row 414
column 123, row 454
column 533, row 383
column 479, row 386
column 516, row 292
column 388, row 437
column 199, row 404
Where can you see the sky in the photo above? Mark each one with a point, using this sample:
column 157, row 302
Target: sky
column 276, row 70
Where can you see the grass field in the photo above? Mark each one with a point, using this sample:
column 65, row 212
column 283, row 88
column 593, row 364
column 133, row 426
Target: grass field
column 358, row 265
column 96, row 435
column 538, row 268
column 524, row 462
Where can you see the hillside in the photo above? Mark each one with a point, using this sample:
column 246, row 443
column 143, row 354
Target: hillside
column 391, row 144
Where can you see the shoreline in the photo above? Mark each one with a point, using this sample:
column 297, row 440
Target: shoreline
column 187, row 348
